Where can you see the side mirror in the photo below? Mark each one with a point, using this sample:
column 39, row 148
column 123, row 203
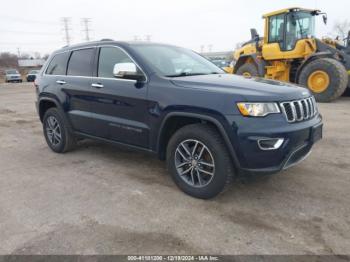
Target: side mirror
column 127, row 71
column 325, row 19
column 254, row 34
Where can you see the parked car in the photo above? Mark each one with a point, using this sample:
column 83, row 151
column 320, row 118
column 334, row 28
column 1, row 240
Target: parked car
column 220, row 63
column 12, row 75
column 32, row 75
column 209, row 126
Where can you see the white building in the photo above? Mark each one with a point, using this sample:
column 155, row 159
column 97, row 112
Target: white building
column 31, row 63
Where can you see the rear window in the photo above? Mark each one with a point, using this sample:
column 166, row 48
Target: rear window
column 11, row 72
column 58, row 64
column 80, row 63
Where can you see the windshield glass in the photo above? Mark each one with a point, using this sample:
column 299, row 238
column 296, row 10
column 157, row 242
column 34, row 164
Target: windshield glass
column 300, row 25
column 174, row 61
column 11, row 72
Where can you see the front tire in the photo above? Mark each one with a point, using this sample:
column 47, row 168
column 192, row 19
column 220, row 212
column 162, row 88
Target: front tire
column 248, row 70
column 56, row 131
column 326, row 78
column 198, row 161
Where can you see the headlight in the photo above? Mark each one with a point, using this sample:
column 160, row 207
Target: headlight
column 258, row 109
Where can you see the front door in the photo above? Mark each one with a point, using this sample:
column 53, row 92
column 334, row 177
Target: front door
column 119, row 106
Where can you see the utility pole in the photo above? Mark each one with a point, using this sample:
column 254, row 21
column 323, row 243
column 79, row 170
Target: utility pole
column 148, row 38
column 18, row 52
column 202, row 49
column 210, row 47
column 86, row 28
column 66, row 28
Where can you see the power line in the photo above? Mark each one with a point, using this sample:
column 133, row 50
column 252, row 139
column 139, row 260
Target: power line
column 148, row 38
column 66, row 21
column 86, row 29
column 26, row 32
column 24, row 20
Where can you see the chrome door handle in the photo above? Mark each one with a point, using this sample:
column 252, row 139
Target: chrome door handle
column 61, row 82
column 96, row 85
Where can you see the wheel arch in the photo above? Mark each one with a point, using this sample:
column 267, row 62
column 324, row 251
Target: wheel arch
column 168, row 128
column 45, row 102
column 253, row 58
column 311, row 58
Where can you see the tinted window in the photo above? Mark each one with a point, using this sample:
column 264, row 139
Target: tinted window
column 80, row 63
column 109, row 56
column 58, row 64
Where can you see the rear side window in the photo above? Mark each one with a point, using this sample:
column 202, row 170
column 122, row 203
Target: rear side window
column 80, row 63
column 58, row 64
column 109, row 56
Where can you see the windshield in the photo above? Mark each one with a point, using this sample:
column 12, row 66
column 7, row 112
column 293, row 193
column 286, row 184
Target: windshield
column 300, row 25
column 11, row 72
column 174, row 61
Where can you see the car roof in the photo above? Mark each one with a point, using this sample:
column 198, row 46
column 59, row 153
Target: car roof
column 107, row 42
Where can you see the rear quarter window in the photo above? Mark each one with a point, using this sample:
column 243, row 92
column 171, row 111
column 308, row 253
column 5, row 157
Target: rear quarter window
column 58, row 64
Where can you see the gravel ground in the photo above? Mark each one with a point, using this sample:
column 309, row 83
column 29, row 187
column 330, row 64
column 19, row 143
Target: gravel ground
column 100, row 199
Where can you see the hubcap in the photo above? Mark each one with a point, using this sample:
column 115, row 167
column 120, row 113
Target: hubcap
column 247, row 74
column 318, row 81
column 53, row 130
column 194, row 163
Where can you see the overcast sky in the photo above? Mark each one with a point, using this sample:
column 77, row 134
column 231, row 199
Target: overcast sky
column 35, row 25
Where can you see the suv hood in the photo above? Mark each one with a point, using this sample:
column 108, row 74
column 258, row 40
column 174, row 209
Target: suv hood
column 252, row 89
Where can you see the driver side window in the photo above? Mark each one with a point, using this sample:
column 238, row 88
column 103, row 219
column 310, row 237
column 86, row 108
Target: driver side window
column 276, row 29
column 109, row 56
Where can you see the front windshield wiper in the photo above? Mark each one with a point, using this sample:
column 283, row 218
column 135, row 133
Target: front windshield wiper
column 191, row 74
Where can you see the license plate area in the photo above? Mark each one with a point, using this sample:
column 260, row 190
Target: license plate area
column 316, row 133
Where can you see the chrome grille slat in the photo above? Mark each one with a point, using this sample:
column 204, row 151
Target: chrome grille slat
column 299, row 110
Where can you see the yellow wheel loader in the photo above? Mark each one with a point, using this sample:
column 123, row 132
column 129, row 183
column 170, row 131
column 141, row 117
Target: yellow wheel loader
column 289, row 51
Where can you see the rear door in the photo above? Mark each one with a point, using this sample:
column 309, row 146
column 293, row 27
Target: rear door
column 77, row 86
column 119, row 106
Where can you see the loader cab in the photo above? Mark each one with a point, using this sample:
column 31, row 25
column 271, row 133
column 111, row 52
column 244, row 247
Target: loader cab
column 289, row 33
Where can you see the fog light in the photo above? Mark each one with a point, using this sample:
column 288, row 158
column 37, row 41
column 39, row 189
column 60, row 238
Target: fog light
column 270, row 143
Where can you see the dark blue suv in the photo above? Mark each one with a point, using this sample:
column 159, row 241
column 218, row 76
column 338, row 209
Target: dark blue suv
column 209, row 126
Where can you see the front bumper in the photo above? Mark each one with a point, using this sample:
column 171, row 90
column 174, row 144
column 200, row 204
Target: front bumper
column 13, row 79
column 298, row 139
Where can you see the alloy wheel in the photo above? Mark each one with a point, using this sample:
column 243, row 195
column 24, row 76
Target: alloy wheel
column 194, row 163
column 53, row 131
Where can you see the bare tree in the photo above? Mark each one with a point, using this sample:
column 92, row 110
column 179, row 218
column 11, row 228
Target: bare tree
column 341, row 29
column 37, row 55
column 8, row 60
column 46, row 56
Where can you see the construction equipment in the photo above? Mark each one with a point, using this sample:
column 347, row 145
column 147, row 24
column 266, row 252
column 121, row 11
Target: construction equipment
column 289, row 51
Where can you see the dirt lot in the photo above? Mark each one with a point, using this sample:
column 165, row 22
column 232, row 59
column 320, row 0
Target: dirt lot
column 103, row 200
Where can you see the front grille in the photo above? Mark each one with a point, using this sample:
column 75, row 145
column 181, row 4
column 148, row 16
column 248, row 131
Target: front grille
column 299, row 110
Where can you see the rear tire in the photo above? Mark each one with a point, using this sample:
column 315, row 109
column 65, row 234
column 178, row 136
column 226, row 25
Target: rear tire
column 205, row 147
column 333, row 79
column 56, row 131
column 248, row 70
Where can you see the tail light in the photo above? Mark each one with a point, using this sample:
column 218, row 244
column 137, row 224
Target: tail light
column 36, row 85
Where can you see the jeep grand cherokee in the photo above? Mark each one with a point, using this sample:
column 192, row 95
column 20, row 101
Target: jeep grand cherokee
column 208, row 125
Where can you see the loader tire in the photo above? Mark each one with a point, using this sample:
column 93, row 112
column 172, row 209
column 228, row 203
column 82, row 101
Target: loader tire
column 326, row 78
column 248, row 70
